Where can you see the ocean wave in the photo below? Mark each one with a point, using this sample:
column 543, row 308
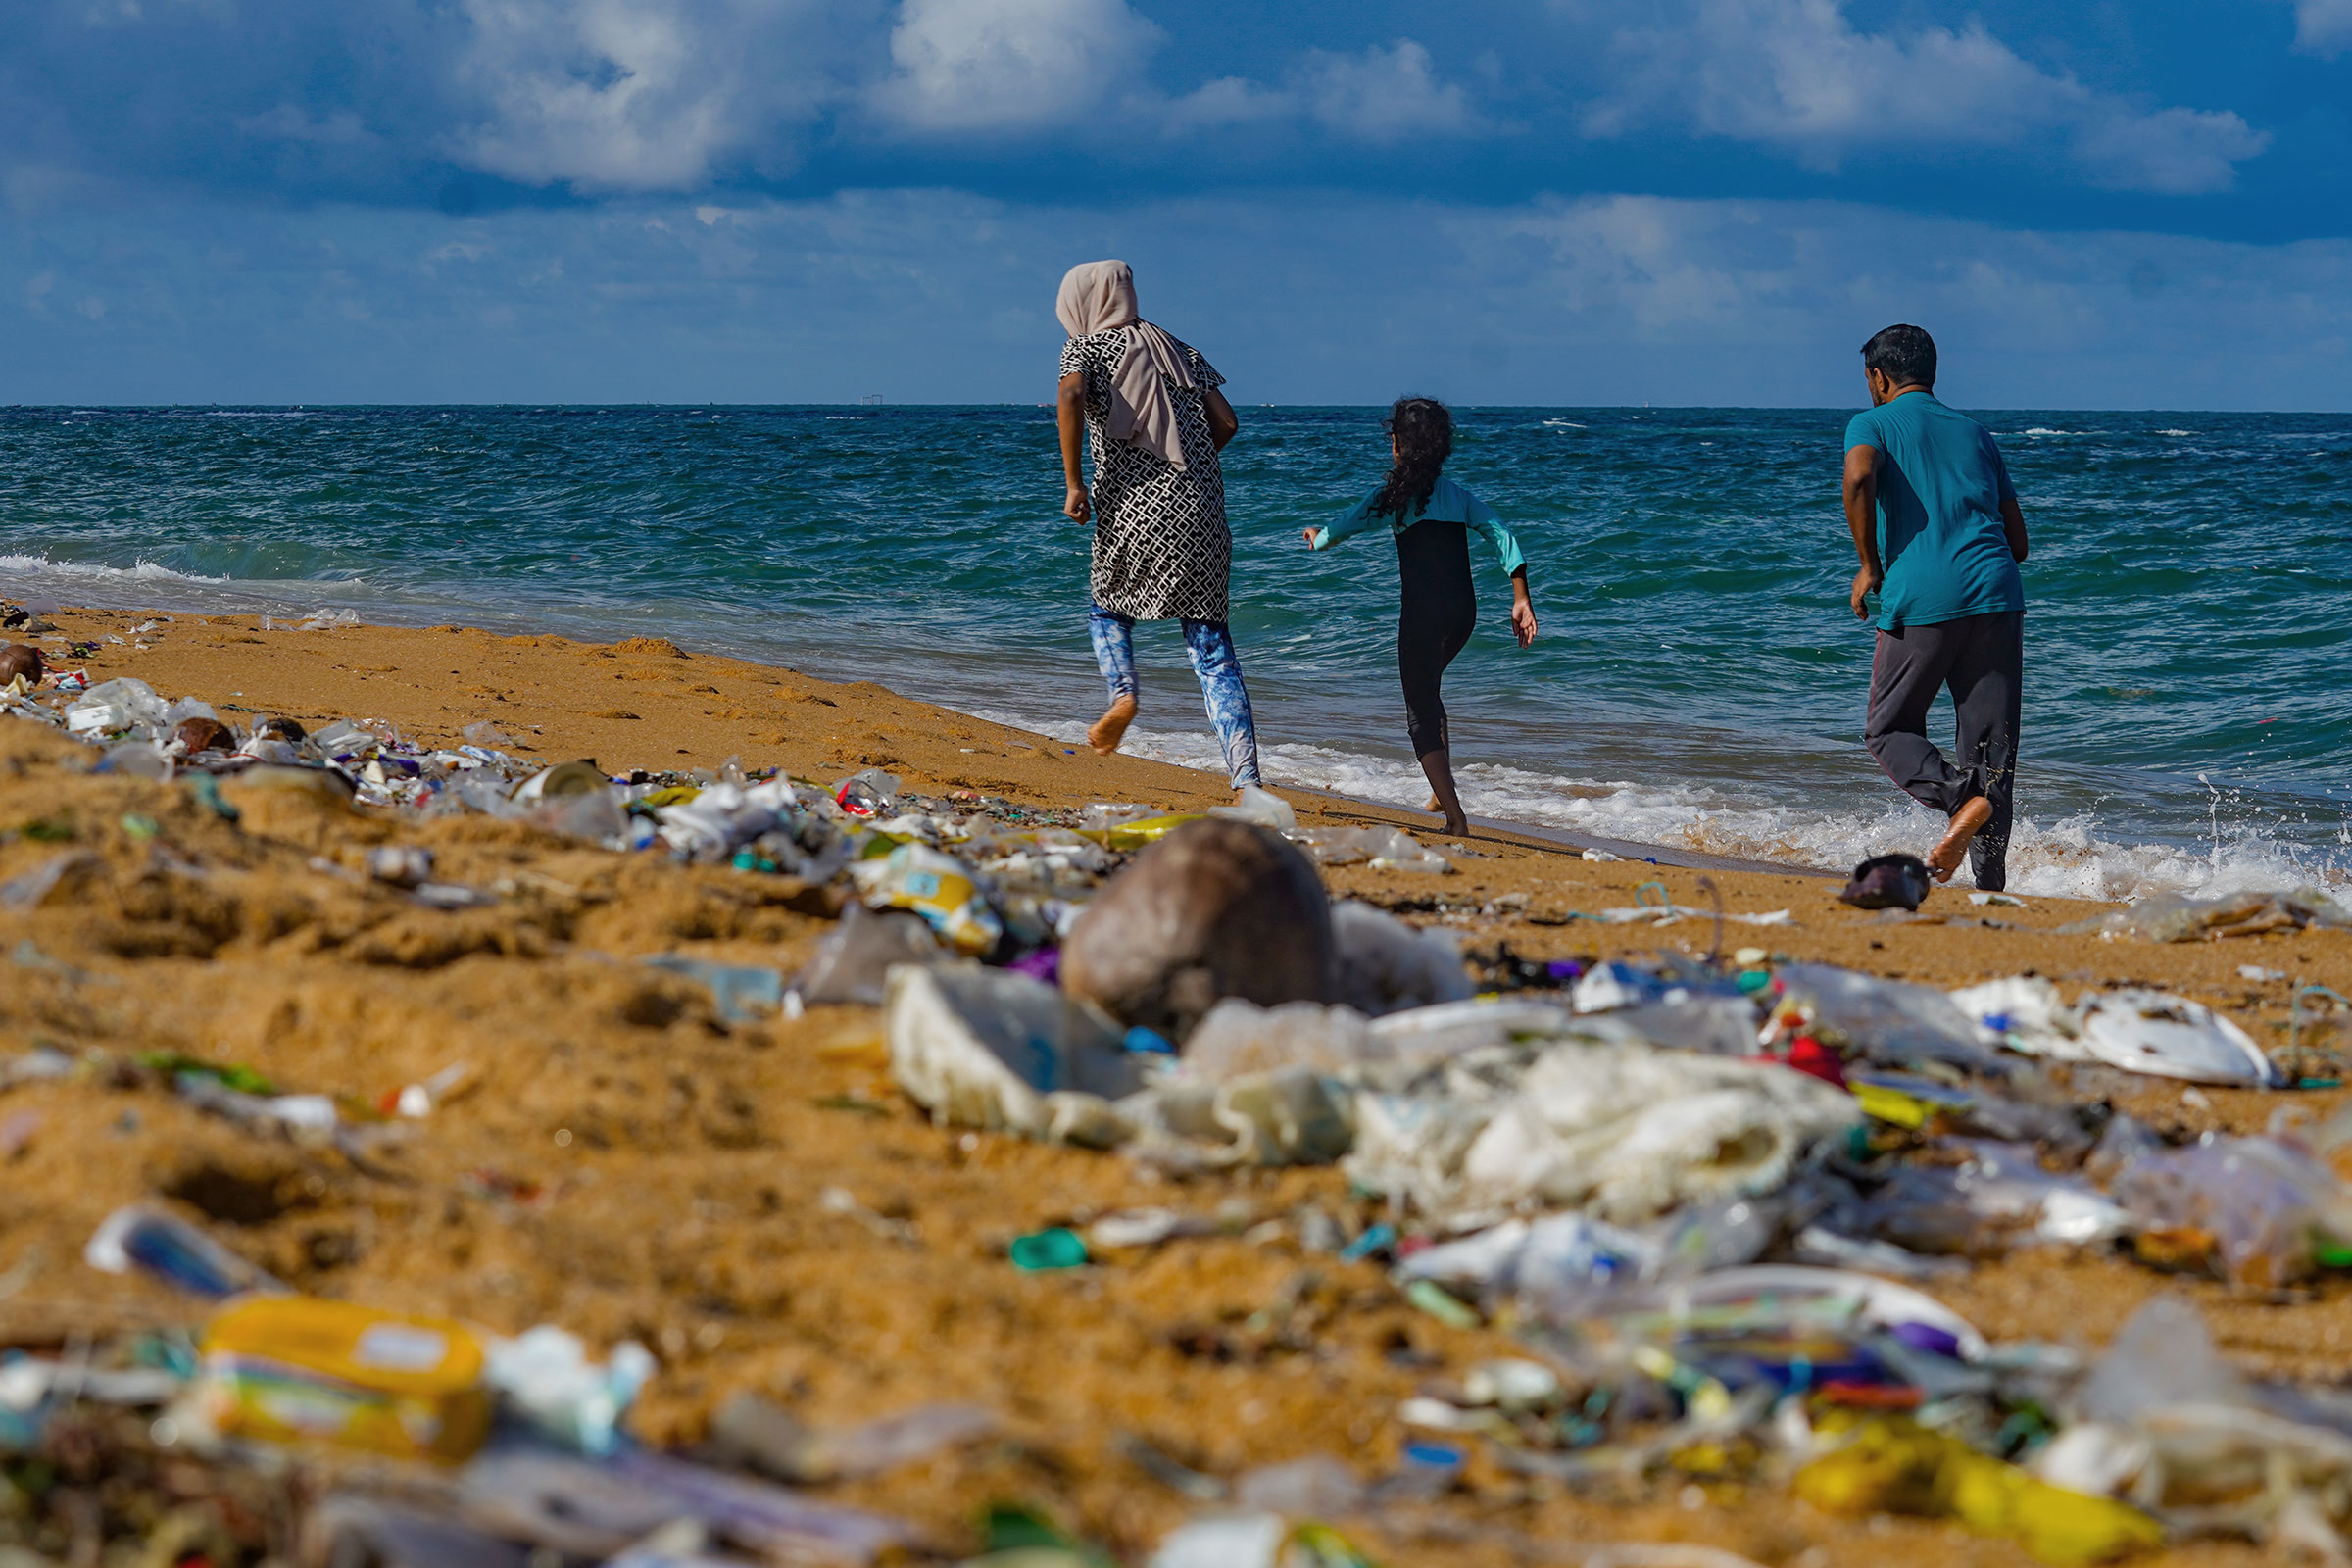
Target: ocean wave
column 2175, row 432
column 2068, row 858
column 2039, row 430
column 144, row 571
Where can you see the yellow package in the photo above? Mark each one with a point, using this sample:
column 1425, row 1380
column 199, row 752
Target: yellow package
column 938, row 887
column 1128, row 836
column 296, row 1369
column 1893, row 1465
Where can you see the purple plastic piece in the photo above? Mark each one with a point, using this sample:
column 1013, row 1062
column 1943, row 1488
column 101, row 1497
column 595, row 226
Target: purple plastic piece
column 1043, row 964
column 1927, row 1337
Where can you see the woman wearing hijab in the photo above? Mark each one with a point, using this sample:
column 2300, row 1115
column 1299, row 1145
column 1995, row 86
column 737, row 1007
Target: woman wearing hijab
column 1154, row 423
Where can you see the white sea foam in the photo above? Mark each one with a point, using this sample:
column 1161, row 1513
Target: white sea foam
column 144, row 571
column 2039, row 430
column 2175, row 432
column 2068, row 858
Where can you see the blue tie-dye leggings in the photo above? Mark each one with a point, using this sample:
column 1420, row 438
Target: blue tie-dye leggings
column 1214, row 661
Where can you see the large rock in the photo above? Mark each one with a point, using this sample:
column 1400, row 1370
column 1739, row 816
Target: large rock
column 1217, row 909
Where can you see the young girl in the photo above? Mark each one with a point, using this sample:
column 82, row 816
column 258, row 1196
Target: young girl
column 1431, row 518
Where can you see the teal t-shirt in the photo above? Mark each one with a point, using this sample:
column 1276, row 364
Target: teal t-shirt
column 1941, row 534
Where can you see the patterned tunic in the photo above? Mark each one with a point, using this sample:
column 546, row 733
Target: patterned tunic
column 1161, row 548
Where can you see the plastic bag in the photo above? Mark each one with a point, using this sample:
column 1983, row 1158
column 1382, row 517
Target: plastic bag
column 852, row 960
column 2250, row 1209
column 986, row 1048
column 1385, row 965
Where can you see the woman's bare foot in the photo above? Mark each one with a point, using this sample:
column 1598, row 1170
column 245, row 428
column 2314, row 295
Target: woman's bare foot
column 1106, row 733
column 1967, row 823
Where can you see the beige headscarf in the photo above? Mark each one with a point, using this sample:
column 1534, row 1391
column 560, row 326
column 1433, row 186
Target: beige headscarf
column 1099, row 297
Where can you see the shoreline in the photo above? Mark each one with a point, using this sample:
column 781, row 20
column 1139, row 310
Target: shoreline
column 625, row 1164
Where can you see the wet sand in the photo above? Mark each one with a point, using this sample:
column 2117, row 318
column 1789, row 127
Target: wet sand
column 624, row 1165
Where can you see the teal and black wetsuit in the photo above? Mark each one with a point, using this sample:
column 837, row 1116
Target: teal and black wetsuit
column 1437, row 607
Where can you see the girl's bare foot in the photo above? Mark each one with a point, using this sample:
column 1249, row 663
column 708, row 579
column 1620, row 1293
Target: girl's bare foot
column 1106, row 733
column 1967, row 823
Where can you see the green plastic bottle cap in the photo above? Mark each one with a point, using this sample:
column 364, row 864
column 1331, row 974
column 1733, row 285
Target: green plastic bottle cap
column 1043, row 1249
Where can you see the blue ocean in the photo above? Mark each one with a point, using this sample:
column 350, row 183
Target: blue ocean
column 1699, row 681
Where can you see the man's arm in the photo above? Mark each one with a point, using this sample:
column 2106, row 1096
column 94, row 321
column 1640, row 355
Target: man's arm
column 1223, row 423
column 2015, row 522
column 1069, row 411
column 1861, row 519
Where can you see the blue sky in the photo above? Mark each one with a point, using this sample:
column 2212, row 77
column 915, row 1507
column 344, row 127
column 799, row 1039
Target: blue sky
column 2137, row 203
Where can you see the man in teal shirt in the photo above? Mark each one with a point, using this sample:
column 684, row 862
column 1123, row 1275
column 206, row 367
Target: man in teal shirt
column 1940, row 535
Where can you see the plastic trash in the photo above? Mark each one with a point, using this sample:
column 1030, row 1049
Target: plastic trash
column 1295, row 1115
column 297, row 1369
column 172, row 1251
column 1385, row 965
column 1617, row 984
column 740, row 993
column 852, row 960
column 984, row 1048
column 594, row 1508
column 2249, row 1209
column 1261, row 808
column 2174, row 918
column 544, row 1376
column 1886, row 1022
column 943, row 889
column 1233, row 1540
column 1996, row 1199
column 756, row 1432
column 1624, row 1131
column 870, row 793
column 1890, row 1465
column 2026, row 1013
column 139, row 758
column 1048, row 1250
column 114, row 706
column 2172, row 1037
column 1557, row 1269
column 1888, row 882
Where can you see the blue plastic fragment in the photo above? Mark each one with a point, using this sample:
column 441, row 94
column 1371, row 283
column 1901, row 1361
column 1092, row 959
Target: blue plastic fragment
column 1149, row 1042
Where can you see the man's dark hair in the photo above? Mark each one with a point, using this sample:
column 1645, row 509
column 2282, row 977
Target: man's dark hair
column 1903, row 355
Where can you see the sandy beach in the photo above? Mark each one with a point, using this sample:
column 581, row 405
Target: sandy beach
column 622, row 1163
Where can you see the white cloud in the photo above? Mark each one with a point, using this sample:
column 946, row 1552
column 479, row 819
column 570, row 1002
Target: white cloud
column 1383, row 95
column 1010, row 65
column 1377, row 96
column 639, row 95
column 1228, row 101
column 2324, row 26
column 1800, row 74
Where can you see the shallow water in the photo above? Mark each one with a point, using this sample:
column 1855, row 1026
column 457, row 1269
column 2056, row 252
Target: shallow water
column 1699, row 680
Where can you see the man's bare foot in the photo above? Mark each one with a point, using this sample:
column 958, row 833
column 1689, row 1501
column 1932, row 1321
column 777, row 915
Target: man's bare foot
column 1967, row 823
column 1459, row 827
column 1106, row 733
column 1435, row 804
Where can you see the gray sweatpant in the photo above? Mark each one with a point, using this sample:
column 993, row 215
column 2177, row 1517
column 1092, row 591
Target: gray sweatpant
column 1981, row 659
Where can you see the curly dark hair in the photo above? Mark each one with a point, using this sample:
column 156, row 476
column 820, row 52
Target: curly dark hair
column 1423, row 430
